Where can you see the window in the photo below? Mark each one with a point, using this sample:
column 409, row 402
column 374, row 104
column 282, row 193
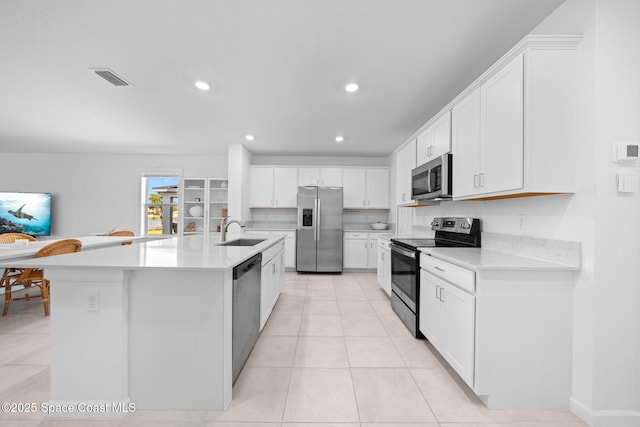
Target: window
column 160, row 203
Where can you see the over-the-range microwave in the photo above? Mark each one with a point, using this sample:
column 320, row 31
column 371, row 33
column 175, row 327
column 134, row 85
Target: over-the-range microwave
column 432, row 180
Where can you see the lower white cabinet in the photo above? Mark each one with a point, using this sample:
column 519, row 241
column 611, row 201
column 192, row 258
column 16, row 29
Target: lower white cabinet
column 271, row 280
column 447, row 320
column 360, row 250
column 384, row 265
column 506, row 332
column 289, row 244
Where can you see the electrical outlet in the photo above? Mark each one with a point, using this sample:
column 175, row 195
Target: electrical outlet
column 522, row 222
column 93, row 301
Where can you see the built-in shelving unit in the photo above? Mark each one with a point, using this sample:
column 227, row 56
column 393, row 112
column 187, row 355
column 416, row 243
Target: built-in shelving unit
column 203, row 204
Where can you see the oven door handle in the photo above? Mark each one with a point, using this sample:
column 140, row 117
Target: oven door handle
column 404, row 252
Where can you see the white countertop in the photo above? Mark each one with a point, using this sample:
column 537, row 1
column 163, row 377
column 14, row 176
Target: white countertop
column 13, row 251
column 188, row 252
column 483, row 259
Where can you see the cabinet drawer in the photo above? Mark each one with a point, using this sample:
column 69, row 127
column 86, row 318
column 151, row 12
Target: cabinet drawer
column 460, row 277
column 355, row 235
column 271, row 252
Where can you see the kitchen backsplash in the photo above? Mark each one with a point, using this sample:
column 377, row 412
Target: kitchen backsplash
column 287, row 218
column 560, row 251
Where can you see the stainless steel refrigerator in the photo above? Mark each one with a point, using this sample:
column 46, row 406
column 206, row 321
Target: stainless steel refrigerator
column 319, row 232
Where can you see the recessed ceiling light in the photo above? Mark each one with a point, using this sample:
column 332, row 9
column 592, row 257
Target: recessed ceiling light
column 339, row 139
column 202, row 85
column 249, row 137
column 351, row 87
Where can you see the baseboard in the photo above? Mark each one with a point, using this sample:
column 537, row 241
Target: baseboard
column 605, row 418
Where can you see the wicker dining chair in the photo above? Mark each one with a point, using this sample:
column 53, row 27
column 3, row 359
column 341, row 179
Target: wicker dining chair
column 122, row 233
column 12, row 237
column 28, row 277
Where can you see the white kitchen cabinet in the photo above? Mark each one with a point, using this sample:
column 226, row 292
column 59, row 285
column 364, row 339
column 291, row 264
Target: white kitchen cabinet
column 354, row 188
column 289, row 244
column 424, row 142
column 355, row 250
column 466, row 140
column 431, row 319
column 203, row 204
column 434, row 140
column 377, row 188
column 495, row 328
column 447, row 321
column 384, row 265
column 290, row 250
column 327, row 176
column 513, row 131
column 405, row 163
column 366, row 188
column 501, row 137
column 271, row 280
column 488, row 132
column 273, row 187
column 360, row 250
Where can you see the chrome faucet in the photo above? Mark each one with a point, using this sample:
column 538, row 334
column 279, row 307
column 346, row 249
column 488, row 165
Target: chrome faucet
column 226, row 223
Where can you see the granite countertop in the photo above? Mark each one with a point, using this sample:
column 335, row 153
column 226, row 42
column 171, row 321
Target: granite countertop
column 479, row 259
column 199, row 251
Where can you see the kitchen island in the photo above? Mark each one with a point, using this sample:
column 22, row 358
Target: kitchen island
column 147, row 324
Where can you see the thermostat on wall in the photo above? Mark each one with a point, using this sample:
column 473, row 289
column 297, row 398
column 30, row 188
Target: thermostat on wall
column 625, row 151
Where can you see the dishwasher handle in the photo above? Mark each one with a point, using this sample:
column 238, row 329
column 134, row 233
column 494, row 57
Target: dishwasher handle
column 243, row 268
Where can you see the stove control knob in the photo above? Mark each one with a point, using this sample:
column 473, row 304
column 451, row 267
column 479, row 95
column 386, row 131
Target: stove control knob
column 435, row 223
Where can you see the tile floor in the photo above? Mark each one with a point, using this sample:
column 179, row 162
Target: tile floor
column 333, row 353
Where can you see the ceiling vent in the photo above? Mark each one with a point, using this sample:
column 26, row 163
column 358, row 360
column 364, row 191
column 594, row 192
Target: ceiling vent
column 111, row 77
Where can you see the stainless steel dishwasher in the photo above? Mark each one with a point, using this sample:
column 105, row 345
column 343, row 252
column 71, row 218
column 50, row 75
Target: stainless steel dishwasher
column 246, row 311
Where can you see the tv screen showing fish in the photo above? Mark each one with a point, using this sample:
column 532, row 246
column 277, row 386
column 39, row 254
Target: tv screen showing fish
column 28, row 213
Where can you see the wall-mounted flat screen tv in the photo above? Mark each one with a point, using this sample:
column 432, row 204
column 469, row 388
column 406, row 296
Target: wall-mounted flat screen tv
column 28, row 213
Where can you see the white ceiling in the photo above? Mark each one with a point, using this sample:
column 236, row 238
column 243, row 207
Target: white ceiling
column 276, row 68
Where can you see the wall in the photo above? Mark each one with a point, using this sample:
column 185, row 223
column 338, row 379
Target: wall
column 606, row 361
column 95, row 193
column 239, row 161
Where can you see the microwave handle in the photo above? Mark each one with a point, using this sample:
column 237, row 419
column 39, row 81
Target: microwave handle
column 429, row 181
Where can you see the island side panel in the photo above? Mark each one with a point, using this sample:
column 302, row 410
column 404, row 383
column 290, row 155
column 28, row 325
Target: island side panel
column 89, row 342
column 180, row 339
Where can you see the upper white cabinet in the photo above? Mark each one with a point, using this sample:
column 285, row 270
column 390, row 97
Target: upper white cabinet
column 488, row 134
column 405, row 163
column 273, row 187
column 435, row 140
column 513, row 132
column 326, row 177
column 466, row 140
column 366, row 188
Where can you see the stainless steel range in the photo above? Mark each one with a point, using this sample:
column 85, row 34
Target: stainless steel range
column 405, row 263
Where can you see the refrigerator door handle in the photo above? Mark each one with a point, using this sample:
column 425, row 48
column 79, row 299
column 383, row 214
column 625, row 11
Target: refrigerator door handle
column 318, row 221
column 315, row 219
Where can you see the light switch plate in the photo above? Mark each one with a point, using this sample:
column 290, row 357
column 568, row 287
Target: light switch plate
column 627, row 181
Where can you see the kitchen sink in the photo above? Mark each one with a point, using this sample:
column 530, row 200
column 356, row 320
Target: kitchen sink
column 242, row 242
